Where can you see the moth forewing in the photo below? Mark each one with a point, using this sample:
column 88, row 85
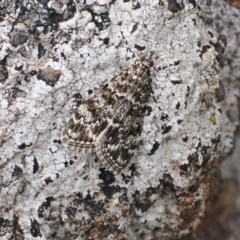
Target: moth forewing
column 110, row 124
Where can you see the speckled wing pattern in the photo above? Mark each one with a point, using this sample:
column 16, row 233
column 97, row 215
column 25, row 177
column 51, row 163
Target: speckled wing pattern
column 110, row 124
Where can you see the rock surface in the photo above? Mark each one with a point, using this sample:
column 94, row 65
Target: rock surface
column 54, row 56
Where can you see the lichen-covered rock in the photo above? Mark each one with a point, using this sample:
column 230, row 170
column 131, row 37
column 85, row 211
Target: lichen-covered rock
column 54, row 56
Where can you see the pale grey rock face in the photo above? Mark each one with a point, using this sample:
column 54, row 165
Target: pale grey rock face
column 54, row 56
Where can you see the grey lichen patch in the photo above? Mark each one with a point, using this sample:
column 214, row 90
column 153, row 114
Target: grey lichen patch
column 3, row 71
column 49, row 76
column 35, row 229
column 41, row 50
column 18, row 38
column 174, row 6
column 101, row 20
column 55, row 58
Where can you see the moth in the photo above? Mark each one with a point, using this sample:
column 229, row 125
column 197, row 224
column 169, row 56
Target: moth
column 110, row 123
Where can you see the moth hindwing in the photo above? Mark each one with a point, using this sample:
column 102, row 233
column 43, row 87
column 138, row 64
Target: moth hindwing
column 110, row 123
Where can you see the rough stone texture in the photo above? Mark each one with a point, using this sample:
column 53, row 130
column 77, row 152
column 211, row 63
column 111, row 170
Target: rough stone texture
column 54, row 55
